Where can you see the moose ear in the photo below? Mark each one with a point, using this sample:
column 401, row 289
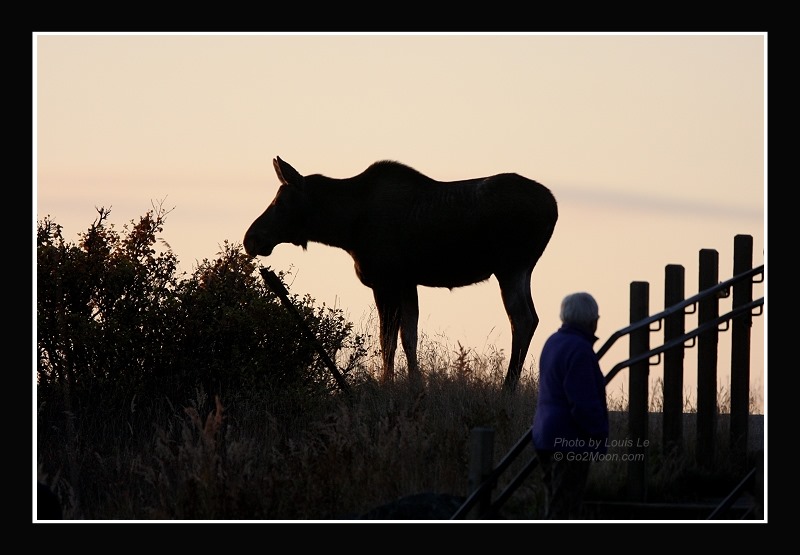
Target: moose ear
column 286, row 173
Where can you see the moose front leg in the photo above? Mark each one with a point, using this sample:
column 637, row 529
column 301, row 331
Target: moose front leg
column 387, row 302
column 409, row 321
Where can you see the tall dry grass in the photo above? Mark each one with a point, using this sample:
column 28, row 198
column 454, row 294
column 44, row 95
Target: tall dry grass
column 335, row 457
column 674, row 473
column 330, row 458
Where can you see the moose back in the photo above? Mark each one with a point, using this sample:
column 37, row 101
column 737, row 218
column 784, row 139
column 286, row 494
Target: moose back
column 404, row 229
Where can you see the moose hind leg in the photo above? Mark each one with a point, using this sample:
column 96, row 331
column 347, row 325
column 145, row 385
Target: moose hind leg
column 515, row 289
column 409, row 322
column 387, row 302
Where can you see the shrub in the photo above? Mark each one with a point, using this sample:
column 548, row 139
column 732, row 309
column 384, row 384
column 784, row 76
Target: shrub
column 121, row 334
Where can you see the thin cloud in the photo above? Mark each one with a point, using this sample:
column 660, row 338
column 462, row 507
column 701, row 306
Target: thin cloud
column 663, row 205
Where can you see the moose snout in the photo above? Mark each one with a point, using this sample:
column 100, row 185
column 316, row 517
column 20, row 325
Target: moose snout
column 254, row 247
column 249, row 245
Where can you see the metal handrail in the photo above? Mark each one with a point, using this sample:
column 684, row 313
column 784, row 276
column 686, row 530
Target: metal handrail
column 737, row 492
column 490, row 480
column 525, row 440
column 678, row 341
column 711, row 291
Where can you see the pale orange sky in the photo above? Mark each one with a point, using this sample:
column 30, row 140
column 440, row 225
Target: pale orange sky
column 654, row 146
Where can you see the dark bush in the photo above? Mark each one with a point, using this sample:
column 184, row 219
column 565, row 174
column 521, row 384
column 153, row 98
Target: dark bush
column 121, row 333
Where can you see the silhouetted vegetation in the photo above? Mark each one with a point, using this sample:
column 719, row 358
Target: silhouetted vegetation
column 163, row 395
column 196, row 396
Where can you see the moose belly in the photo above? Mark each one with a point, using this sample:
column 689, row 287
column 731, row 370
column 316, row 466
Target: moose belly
column 422, row 267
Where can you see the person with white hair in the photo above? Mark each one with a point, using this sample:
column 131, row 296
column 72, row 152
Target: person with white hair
column 570, row 426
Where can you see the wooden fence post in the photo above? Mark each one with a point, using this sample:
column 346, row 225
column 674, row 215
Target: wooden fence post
column 480, row 467
column 638, row 404
column 674, row 327
column 708, row 309
column 740, row 348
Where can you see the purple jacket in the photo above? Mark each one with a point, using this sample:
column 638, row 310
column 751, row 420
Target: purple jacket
column 571, row 412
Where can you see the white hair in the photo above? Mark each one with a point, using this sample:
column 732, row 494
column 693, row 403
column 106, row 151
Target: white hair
column 579, row 309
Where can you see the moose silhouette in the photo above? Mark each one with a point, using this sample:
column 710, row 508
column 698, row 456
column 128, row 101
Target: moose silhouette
column 404, row 229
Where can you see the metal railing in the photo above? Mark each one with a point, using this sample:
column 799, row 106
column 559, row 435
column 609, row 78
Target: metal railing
column 720, row 290
column 747, row 483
